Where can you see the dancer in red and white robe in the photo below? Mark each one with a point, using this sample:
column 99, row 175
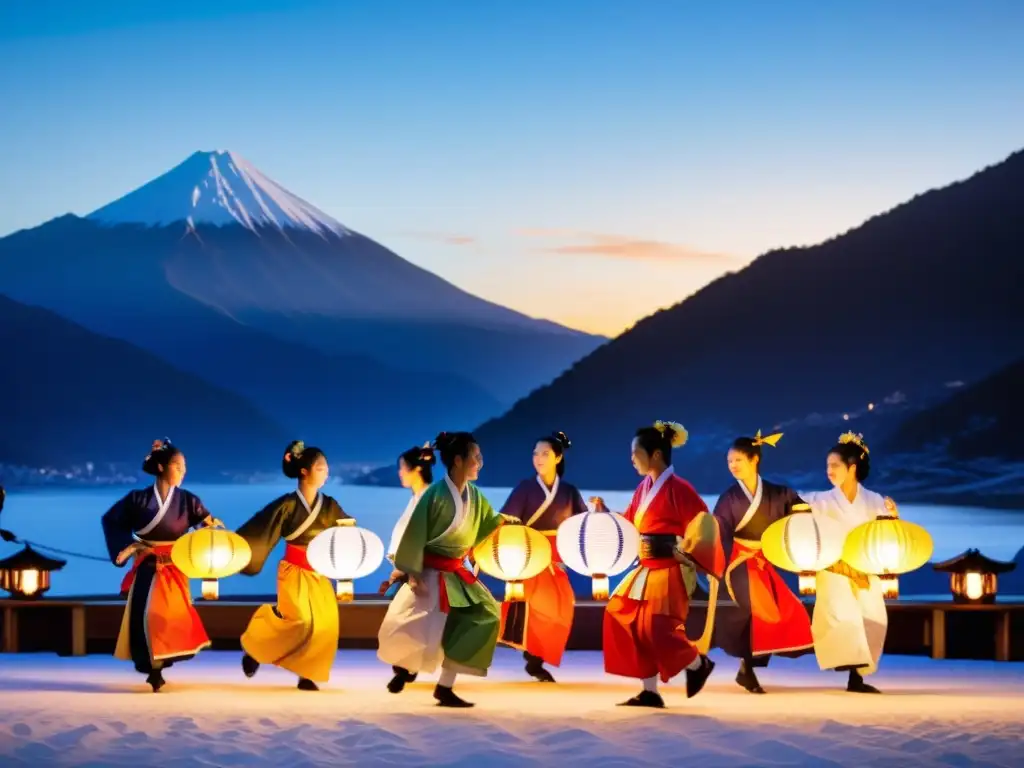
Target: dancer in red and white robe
column 645, row 621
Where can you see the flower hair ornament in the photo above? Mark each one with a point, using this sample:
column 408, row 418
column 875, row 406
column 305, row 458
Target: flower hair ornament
column 772, row 440
column 858, row 440
column 427, row 453
column 158, row 445
column 679, row 433
column 295, row 451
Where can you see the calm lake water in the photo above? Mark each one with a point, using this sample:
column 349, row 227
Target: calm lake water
column 70, row 520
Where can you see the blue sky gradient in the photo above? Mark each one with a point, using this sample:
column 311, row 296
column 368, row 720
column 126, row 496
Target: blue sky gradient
column 584, row 161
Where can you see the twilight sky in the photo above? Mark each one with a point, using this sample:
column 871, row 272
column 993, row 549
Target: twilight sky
column 587, row 161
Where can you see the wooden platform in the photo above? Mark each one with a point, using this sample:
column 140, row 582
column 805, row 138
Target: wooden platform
column 77, row 626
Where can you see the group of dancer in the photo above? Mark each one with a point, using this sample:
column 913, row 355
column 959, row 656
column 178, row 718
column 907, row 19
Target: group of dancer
column 442, row 614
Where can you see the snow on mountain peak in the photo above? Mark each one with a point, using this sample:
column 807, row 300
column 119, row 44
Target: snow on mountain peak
column 219, row 188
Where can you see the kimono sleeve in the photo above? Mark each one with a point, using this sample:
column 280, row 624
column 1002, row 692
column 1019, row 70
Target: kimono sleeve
column 490, row 520
column 197, row 511
column 515, row 504
column 791, row 497
column 702, row 532
column 119, row 528
column 630, row 511
column 579, row 506
column 337, row 512
column 263, row 530
column 409, row 553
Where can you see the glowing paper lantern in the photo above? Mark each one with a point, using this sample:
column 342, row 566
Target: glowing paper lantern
column 598, row 545
column 26, row 575
column 210, row 553
column 345, row 553
column 973, row 577
column 803, row 543
column 887, row 547
column 513, row 553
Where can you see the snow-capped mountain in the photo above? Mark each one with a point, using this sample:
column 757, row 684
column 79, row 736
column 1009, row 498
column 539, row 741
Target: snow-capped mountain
column 225, row 274
column 219, row 188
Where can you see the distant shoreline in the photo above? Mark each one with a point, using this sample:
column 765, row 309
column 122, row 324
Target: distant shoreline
column 1011, row 502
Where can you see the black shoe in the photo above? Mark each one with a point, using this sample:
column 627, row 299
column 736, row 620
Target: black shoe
column 398, row 682
column 249, row 665
column 535, row 668
column 857, row 684
column 645, row 699
column 446, row 698
column 696, row 678
column 156, row 680
column 307, row 685
column 748, row 680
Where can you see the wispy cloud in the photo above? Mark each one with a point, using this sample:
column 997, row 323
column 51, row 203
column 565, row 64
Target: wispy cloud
column 442, row 237
column 619, row 246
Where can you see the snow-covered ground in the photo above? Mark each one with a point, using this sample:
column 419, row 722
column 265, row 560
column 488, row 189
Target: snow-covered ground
column 97, row 711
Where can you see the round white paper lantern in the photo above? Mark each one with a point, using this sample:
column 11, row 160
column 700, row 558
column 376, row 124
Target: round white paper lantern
column 599, row 545
column 345, row 553
column 803, row 543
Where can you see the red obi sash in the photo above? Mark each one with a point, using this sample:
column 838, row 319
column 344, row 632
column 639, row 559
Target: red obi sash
column 445, row 565
column 296, row 555
column 163, row 554
column 659, row 563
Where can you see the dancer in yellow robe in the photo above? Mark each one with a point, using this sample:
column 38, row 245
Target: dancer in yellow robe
column 300, row 633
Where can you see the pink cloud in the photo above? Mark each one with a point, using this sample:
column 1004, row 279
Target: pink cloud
column 443, row 237
column 619, row 246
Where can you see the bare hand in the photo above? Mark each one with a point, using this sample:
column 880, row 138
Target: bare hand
column 418, row 586
column 598, row 503
column 213, row 522
column 891, row 508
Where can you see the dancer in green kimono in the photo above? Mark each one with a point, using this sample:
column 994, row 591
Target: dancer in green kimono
column 443, row 614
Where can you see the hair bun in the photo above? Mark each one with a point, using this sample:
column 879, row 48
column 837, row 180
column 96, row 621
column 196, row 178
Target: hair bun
column 442, row 439
column 427, row 456
column 563, row 440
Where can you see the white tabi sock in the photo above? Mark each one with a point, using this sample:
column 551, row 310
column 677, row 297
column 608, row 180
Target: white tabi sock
column 651, row 684
column 694, row 665
column 446, row 679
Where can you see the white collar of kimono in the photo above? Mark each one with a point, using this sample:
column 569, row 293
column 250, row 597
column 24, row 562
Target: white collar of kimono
column 162, row 506
column 549, row 497
column 755, row 502
column 461, row 504
column 841, row 497
column 311, row 514
column 651, row 493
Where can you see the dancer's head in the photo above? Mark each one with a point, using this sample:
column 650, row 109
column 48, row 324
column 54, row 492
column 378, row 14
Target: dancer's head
column 165, row 462
column 460, row 454
column 652, row 446
column 417, row 461
column 306, row 465
column 849, row 459
column 549, row 454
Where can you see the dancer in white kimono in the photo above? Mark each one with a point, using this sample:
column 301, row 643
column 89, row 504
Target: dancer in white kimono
column 415, row 472
column 850, row 618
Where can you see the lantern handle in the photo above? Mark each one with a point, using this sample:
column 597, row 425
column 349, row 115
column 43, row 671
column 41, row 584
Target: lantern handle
column 345, row 521
column 213, row 522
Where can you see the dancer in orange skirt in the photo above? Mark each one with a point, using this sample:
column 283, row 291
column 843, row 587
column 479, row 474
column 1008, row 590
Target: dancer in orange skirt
column 644, row 623
column 539, row 625
column 769, row 618
column 160, row 624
